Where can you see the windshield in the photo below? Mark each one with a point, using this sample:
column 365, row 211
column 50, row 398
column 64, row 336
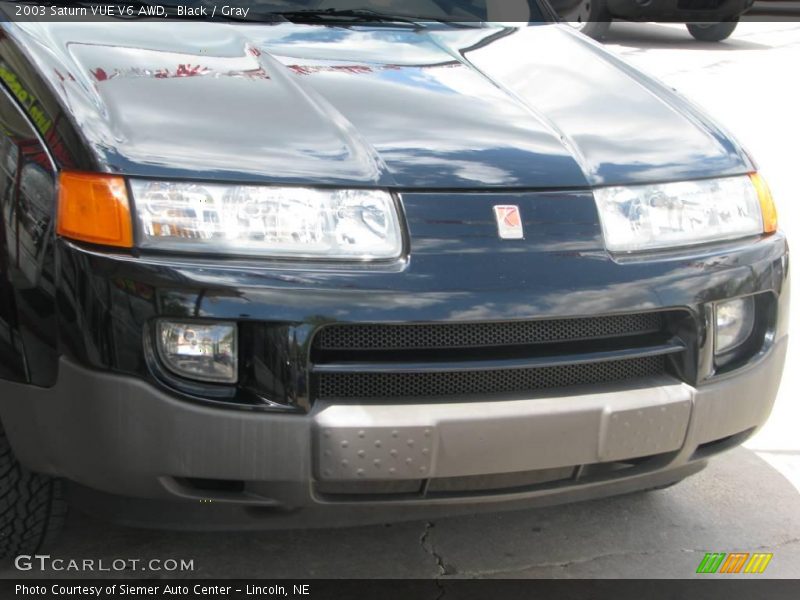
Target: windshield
column 438, row 10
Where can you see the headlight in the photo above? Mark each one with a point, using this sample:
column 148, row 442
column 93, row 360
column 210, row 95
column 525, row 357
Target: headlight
column 267, row 221
column 648, row 217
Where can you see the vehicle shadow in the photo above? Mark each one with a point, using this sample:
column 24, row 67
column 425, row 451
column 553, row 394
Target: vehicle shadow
column 739, row 503
column 672, row 36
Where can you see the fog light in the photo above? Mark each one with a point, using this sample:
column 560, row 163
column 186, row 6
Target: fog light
column 200, row 351
column 734, row 323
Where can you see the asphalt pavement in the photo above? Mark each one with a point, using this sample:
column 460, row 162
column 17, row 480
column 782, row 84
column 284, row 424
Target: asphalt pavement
column 747, row 500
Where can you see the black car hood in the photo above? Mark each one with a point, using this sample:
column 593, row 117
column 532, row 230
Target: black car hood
column 492, row 107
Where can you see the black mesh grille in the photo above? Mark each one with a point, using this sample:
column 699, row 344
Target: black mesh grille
column 476, row 335
column 433, row 384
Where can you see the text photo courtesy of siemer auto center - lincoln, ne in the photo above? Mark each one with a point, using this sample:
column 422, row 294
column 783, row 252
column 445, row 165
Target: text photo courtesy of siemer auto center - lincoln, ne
column 477, row 298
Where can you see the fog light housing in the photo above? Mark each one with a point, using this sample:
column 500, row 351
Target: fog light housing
column 734, row 322
column 201, row 351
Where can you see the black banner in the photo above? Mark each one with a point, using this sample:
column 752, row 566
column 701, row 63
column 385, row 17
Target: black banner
column 697, row 589
column 512, row 11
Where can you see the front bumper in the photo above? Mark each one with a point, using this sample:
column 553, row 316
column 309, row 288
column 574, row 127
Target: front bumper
column 122, row 436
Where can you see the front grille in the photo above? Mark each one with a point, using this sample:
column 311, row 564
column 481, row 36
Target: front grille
column 476, row 335
column 499, row 381
column 375, row 362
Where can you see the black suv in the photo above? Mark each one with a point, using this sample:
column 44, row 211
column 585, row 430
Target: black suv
column 706, row 20
column 332, row 267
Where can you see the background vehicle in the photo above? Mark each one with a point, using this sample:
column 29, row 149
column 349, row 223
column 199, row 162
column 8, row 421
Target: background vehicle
column 708, row 21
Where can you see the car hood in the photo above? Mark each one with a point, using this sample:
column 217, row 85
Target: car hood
column 441, row 107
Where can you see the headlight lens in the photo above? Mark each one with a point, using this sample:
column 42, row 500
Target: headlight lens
column 648, row 217
column 267, row 221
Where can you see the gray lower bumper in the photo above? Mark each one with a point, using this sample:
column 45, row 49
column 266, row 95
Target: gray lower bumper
column 463, row 439
column 122, row 436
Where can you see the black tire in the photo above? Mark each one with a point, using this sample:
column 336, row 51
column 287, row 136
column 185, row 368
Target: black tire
column 712, row 32
column 32, row 506
column 590, row 17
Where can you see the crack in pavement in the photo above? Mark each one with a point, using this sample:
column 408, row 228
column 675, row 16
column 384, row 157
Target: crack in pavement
column 580, row 561
column 788, row 542
column 441, row 565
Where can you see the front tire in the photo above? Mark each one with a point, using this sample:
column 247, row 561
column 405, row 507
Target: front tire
column 712, row 32
column 590, row 17
column 32, row 506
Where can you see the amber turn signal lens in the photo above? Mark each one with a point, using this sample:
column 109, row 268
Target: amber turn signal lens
column 94, row 208
column 768, row 210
